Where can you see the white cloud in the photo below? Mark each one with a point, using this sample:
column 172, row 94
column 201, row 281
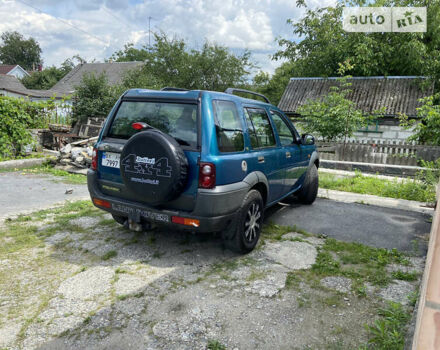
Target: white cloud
column 238, row 24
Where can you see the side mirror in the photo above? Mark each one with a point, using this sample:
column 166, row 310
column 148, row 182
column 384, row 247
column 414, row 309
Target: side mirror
column 307, row 139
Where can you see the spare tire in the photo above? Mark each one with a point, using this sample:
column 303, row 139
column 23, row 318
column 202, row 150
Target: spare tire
column 153, row 167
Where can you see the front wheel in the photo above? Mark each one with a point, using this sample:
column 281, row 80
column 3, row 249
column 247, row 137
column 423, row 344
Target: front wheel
column 245, row 232
column 307, row 194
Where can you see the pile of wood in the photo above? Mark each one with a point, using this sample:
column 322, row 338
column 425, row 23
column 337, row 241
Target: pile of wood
column 78, row 154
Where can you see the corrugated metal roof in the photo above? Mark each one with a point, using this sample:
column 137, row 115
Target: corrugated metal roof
column 398, row 94
column 114, row 71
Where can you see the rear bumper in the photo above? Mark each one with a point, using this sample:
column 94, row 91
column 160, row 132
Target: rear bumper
column 215, row 209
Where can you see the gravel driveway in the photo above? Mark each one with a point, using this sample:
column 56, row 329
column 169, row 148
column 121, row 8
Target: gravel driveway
column 71, row 278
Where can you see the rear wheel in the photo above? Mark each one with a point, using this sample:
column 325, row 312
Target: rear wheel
column 307, row 194
column 243, row 235
column 119, row 219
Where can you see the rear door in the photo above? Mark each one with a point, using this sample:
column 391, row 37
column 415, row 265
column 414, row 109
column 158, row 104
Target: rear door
column 175, row 118
column 266, row 153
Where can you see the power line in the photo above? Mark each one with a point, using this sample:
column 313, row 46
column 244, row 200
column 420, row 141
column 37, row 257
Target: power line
column 65, row 22
column 118, row 18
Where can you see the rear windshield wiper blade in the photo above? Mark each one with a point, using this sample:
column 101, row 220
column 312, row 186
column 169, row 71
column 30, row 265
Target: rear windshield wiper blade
column 182, row 142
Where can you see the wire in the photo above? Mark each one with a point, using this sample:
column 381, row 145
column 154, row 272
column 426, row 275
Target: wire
column 65, row 22
column 118, row 18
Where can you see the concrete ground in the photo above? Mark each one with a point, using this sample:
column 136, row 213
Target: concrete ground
column 81, row 281
column 352, row 222
column 21, row 193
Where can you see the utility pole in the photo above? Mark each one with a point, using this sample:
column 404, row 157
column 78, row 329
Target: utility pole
column 149, row 31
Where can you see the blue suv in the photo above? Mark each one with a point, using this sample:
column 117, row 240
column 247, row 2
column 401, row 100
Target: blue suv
column 200, row 160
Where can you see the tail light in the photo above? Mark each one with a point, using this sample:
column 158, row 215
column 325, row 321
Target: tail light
column 206, row 175
column 95, row 159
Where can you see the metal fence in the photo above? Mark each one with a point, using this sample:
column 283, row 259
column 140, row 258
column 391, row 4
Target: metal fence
column 378, row 151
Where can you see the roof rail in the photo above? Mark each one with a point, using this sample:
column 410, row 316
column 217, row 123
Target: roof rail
column 170, row 88
column 232, row 90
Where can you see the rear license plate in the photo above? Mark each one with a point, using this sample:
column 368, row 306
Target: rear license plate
column 110, row 159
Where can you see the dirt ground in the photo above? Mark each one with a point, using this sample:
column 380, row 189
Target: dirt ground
column 71, row 278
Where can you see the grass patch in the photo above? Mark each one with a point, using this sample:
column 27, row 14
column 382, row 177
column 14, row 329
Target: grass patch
column 388, row 332
column 66, row 177
column 410, row 189
column 356, row 261
column 276, row 232
column 110, row 254
column 215, row 345
column 17, row 234
column 405, row 276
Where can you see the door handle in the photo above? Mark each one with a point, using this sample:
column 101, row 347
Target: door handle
column 260, row 159
column 288, row 155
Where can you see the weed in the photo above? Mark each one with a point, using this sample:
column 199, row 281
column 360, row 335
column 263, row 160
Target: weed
column 405, row 276
column 122, row 297
column 292, row 280
column 110, row 254
column 388, row 332
column 361, row 291
column 413, row 297
column 215, row 345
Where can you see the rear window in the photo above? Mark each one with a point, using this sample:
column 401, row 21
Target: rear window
column 175, row 119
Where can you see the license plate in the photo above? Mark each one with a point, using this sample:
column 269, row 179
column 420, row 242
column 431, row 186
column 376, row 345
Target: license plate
column 110, row 160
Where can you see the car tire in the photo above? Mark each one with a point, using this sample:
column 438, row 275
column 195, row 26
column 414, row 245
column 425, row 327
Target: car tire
column 119, row 219
column 243, row 234
column 307, row 194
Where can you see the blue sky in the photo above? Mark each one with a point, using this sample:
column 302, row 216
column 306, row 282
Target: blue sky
column 104, row 26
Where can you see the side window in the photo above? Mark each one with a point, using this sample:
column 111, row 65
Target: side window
column 260, row 130
column 286, row 135
column 228, row 127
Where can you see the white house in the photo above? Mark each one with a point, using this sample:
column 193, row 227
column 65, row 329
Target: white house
column 13, row 69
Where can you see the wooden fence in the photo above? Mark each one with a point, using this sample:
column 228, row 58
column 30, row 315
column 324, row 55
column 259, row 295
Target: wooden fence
column 378, row 151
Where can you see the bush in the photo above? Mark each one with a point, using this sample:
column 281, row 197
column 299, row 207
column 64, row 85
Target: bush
column 17, row 116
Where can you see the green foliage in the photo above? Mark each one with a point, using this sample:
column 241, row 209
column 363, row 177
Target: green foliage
column 410, row 189
column 18, row 50
column 273, row 87
column 430, row 176
column 427, row 124
column 388, row 333
column 169, row 62
column 405, row 276
column 323, row 44
column 215, row 345
column 94, row 97
column 17, row 116
column 48, row 77
column 334, row 116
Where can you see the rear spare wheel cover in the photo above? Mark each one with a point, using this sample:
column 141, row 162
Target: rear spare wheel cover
column 153, row 167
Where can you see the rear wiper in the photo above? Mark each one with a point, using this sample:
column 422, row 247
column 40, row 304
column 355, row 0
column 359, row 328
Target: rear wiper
column 182, row 142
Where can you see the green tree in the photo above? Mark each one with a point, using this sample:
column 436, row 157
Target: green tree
column 427, row 125
column 273, row 87
column 94, row 97
column 48, row 77
column 169, row 62
column 324, row 44
column 333, row 116
column 15, row 49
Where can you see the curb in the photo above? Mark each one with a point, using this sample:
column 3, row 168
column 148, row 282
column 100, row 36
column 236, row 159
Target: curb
column 350, row 197
column 22, row 163
column 384, row 169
